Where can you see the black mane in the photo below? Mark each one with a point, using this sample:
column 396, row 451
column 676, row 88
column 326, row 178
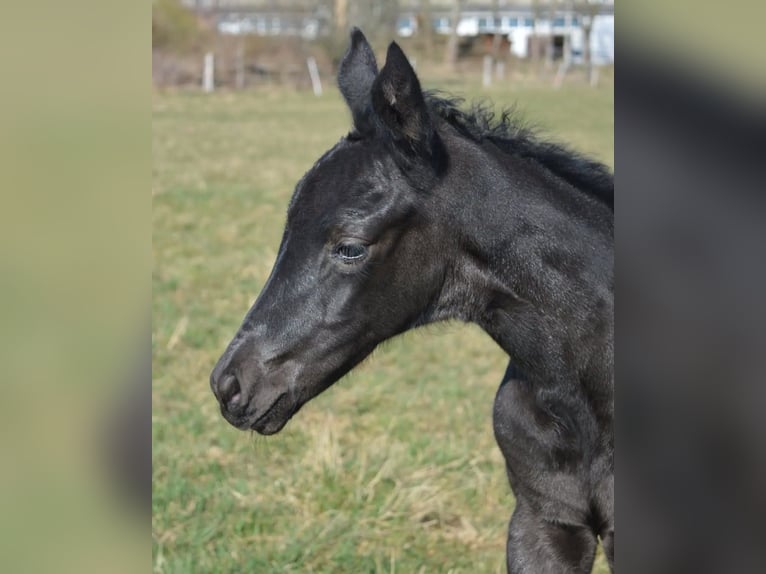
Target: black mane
column 511, row 135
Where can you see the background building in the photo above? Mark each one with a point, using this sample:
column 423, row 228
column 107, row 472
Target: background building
column 525, row 25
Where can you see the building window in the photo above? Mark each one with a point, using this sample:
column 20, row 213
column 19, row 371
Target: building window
column 512, row 22
column 529, row 22
column 559, row 21
column 440, row 23
column 575, row 20
column 483, row 23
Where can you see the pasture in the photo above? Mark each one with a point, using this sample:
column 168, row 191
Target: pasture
column 395, row 468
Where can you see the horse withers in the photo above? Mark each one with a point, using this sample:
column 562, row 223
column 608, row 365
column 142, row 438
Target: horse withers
column 425, row 213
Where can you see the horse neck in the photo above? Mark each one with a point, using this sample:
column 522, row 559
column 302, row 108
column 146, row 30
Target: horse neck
column 522, row 238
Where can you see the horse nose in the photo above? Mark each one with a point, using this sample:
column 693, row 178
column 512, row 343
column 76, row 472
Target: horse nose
column 228, row 392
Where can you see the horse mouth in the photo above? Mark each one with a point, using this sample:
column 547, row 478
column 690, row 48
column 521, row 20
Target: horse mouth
column 276, row 417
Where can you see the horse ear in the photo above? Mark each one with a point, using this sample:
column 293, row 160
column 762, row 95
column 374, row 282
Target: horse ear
column 398, row 100
column 355, row 78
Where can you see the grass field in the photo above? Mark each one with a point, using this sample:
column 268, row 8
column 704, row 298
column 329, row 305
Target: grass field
column 395, row 468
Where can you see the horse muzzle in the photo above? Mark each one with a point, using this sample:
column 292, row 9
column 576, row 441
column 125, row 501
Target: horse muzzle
column 245, row 408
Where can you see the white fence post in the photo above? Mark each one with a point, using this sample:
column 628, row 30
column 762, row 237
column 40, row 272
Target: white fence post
column 240, row 77
column 316, row 82
column 208, row 75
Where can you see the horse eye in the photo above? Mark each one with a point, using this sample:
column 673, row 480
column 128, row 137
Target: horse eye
column 351, row 252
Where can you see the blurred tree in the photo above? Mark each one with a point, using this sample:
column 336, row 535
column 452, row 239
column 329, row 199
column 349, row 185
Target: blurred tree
column 534, row 42
column 377, row 19
column 341, row 15
column 497, row 37
column 174, row 26
column 587, row 11
column 550, row 44
column 426, row 28
column 450, row 55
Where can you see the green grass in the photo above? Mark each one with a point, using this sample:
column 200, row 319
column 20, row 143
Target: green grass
column 395, row 468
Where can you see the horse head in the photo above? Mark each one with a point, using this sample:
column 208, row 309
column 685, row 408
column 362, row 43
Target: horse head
column 360, row 259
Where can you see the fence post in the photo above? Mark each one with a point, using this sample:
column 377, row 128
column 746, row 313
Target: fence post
column 316, row 82
column 208, row 82
column 240, row 78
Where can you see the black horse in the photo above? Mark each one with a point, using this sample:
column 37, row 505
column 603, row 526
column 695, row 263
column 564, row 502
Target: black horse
column 424, row 213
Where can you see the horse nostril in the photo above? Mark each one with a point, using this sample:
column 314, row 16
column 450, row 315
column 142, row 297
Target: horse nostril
column 230, row 392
